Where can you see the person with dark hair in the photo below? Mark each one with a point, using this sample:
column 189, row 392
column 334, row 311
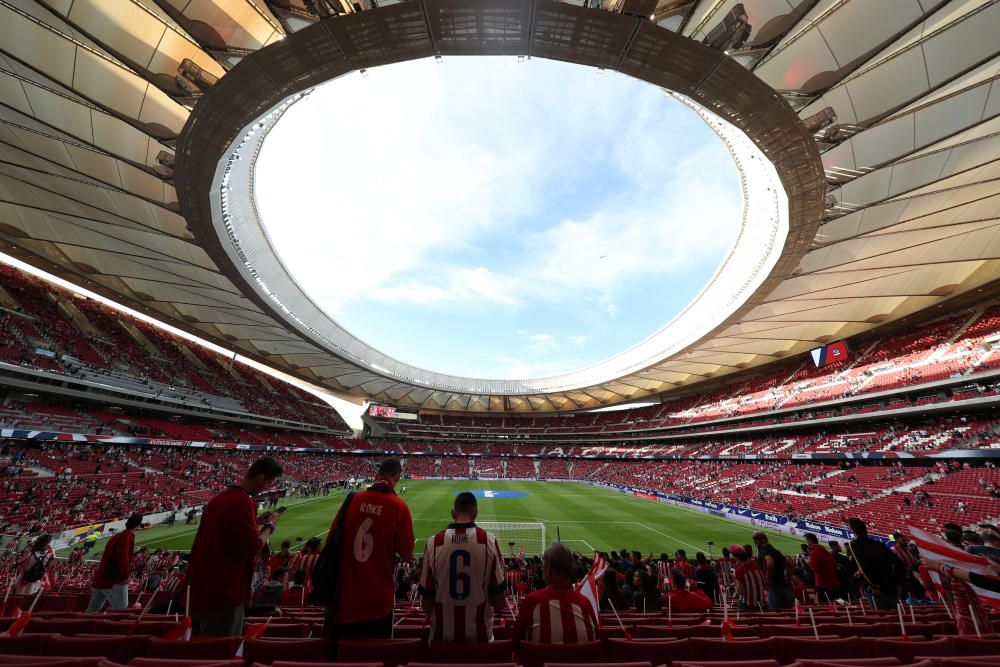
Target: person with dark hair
column 612, row 594
column 32, row 565
column 110, row 583
column 645, row 597
column 877, row 569
column 772, row 564
column 681, row 599
column 681, row 562
column 377, row 527
column 225, row 550
column 708, row 582
column 462, row 580
column 556, row 614
column 281, row 558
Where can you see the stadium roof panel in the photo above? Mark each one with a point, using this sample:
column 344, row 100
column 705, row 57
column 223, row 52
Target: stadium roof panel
column 910, row 159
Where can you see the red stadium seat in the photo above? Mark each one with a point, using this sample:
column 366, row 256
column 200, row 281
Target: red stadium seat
column 792, row 648
column 198, row 648
column 24, row 644
column 749, row 649
column 492, row 652
column 597, row 664
column 173, row 662
column 457, row 664
column 656, row 651
column 62, row 626
column 116, row 649
column 266, row 651
column 855, row 629
column 289, row 663
column 728, row 663
column 148, row 628
column 973, row 646
column 298, row 630
column 908, row 650
column 392, row 652
column 849, row 662
column 533, row 654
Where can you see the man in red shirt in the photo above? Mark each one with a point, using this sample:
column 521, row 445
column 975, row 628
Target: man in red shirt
column 824, row 569
column 110, row 582
column 557, row 614
column 377, row 526
column 225, row 551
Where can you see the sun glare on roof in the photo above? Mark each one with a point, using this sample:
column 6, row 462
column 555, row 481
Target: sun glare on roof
column 487, row 217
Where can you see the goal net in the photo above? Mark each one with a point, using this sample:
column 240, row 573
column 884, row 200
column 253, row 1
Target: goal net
column 512, row 537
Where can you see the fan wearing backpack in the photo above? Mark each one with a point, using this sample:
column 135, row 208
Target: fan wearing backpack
column 32, row 564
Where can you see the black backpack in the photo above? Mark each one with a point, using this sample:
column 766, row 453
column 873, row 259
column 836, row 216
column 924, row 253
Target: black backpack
column 326, row 571
column 36, row 571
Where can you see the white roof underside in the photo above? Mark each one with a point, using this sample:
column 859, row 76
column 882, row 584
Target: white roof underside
column 88, row 101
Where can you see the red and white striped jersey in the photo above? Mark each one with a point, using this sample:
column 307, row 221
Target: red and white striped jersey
column 305, row 562
column 754, row 585
column 555, row 616
column 463, row 569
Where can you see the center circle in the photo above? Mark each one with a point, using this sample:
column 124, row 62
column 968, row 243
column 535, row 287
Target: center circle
column 490, row 218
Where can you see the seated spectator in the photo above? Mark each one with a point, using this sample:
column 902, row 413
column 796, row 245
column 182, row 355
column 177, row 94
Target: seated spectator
column 557, row 568
column 681, row 599
column 644, row 595
column 269, row 596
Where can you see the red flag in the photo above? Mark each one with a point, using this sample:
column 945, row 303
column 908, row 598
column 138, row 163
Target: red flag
column 251, row 632
column 182, row 632
column 727, row 630
column 17, row 627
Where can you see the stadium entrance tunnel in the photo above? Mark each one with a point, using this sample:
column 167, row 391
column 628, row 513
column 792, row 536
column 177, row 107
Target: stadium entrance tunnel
column 497, row 494
column 780, row 172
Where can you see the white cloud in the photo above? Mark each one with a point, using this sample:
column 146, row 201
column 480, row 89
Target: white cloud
column 532, row 187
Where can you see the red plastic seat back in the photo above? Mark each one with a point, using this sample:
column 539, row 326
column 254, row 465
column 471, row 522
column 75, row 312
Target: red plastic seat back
column 198, row 648
column 266, row 650
column 973, row 646
column 115, row 649
column 297, row 630
column 655, row 651
column 906, row 651
column 492, row 652
column 62, row 626
column 792, row 648
column 534, row 654
column 392, row 652
column 750, row 649
column 728, row 663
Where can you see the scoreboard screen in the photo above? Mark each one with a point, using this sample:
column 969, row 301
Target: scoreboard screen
column 382, row 411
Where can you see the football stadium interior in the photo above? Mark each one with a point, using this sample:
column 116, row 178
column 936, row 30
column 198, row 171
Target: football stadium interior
column 842, row 363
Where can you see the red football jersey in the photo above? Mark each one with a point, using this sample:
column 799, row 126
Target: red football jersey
column 378, row 526
column 555, row 616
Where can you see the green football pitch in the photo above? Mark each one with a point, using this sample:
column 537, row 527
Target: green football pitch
column 587, row 518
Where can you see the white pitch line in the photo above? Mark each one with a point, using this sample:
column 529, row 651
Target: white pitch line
column 669, row 537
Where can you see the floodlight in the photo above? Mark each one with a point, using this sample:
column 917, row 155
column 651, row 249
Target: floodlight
column 192, row 78
column 731, row 32
column 820, row 119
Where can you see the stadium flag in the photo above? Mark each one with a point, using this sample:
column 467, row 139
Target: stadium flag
column 17, row 627
column 252, row 632
column 182, row 632
column 589, row 588
column 937, row 549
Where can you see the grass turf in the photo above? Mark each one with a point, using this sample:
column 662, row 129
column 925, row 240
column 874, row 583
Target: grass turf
column 587, row 518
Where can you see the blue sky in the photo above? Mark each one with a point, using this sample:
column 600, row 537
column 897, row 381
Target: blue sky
column 490, row 218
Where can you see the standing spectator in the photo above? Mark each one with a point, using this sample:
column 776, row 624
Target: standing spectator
column 726, row 569
column 377, row 526
column 750, row 581
column 682, row 563
column 645, row 596
column 31, row 566
column 225, row 549
column 557, row 614
column 462, row 581
column 876, row 566
column 707, row 580
column 302, row 562
column 110, row 582
column 824, row 569
column 772, row 563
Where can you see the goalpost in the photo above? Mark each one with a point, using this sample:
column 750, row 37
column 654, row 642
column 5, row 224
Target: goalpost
column 513, row 536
